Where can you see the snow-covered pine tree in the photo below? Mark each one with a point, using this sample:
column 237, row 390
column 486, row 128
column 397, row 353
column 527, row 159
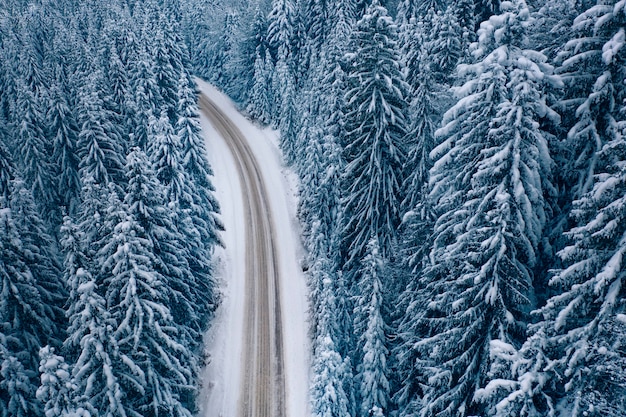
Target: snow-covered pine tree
column 17, row 394
column 22, row 323
column 406, row 10
column 445, row 46
column 375, row 127
column 259, row 101
column 145, row 197
column 315, row 17
column 165, row 72
column 584, row 323
column 90, row 348
column 56, row 389
column 7, row 172
column 328, row 397
column 41, row 258
column 249, row 34
column 421, row 135
column 164, row 148
column 204, row 208
column 491, row 171
column 321, row 170
column 32, row 147
column 143, row 97
column 195, row 162
column 282, row 37
column 99, row 146
column 117, row 76
column 64, row 133
column 592, row 67
column 136, row 294
column 371, row 377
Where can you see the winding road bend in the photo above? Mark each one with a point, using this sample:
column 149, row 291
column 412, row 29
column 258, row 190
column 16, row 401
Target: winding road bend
column 262, row 391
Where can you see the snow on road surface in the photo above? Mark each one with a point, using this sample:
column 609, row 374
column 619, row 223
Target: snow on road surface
column 222, row 377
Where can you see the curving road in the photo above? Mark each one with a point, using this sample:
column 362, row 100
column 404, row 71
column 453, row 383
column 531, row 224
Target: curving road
column 262, row 391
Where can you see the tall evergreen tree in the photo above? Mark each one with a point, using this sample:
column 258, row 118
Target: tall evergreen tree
column 592, row 63
column 145, row 330
column 56, row 388
column 574, row 349
column 97, row 369
column 375, row 126
column 328, row 398
column 204, row 209
column 488, row 183
column 28, row 309
column 259, row 102
column 369, row 325
column 32, row 147
column 100, row 148
column 64, row 131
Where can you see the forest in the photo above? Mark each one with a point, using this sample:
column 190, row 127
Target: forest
column 107, row 214
column 462, row 200
column 462, row 195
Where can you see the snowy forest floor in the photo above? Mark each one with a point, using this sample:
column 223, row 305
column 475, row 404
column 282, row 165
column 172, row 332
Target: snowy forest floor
column 222, row 378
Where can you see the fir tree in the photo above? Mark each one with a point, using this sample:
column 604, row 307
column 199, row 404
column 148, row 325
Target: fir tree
column 32, row 147
column 369, row 325
column 100, row 149
column 64, row 132
column 591, row 64
column 204, row 234
column 328, row 398
column 375, row 126
column 259, row 102
column 16, row 390
column 7, row 174
column 144, row 330
column 97, row 368
column 56, row 388
column 491, row 172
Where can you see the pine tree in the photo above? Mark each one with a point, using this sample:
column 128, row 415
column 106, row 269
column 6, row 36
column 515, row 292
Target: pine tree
column 591, row 65
column 328, row 398
column 7, row 173
column 97, row 368
column 281, row 32
column 445, row 47
column 259, row 103
column 203, row 236
column 375, row 126
column 100, row 148
column 32, row 147
column 195, row 163
column 144, row 198
column 491, row 172
column 143, row 97
column 24, row 317
column 144, row 330
column 40, row 257
column 584, row 323
column 16, row 390
column 63, row 130
column 165, row 72
column 164, row 150
column 421, row 136
column 369, row 325
column 56, row 388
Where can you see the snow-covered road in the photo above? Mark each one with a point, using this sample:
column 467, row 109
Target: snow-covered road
column 258, row 344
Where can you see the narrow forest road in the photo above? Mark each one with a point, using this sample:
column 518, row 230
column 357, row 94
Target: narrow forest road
column 262, row 391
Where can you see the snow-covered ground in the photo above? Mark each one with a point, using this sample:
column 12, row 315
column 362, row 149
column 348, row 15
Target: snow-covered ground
column 222, row 377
